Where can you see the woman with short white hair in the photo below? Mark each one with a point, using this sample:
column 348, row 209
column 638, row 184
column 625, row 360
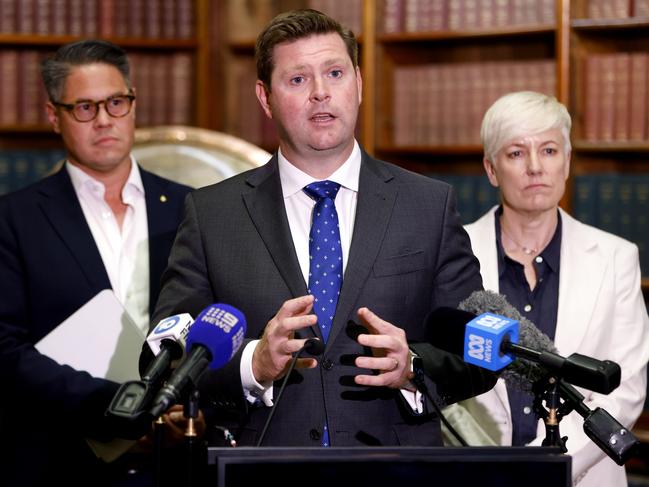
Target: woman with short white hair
column 578, row 284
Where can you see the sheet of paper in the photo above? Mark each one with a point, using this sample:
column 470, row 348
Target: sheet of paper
column 100, row 338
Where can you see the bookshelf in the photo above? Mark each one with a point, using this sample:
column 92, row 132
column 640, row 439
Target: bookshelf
column 167, row 41
column 170, row 44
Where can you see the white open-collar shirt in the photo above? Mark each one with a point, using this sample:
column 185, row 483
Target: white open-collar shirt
column 125, row 251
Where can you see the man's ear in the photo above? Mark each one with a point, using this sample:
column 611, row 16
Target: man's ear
column 53, row 116
column 263, row 95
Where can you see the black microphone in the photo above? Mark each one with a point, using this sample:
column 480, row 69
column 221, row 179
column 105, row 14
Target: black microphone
column 312, row 346
column 167, row 339
column 167, row 342
column 492, row 346
column 213, row 339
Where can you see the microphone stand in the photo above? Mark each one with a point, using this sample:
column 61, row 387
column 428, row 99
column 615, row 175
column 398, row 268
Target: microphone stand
column 158, row 437
column 603, row 429
column 194, row 451
column 552, row 413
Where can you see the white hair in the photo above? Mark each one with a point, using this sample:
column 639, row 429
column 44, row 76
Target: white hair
column 522, row 113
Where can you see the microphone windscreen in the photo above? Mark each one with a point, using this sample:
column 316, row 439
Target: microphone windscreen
column 521, row 373
column 445, row 327
column 489, row 302
column 220, row 328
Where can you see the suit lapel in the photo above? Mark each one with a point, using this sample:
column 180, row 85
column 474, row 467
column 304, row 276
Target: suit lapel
column 159, row 226
column 582, row 271
column 61, row 207
column 374, row 206
column 265, row 205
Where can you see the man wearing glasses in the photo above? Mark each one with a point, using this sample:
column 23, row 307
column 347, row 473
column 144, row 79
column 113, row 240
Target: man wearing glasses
column 100, row 222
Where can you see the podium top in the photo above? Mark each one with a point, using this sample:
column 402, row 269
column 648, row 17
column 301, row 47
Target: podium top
column 390, row 466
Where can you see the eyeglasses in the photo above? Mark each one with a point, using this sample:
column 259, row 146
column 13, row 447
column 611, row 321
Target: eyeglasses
column 85, row 111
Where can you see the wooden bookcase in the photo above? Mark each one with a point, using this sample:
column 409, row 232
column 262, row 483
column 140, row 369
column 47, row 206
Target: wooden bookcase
column 149, row 30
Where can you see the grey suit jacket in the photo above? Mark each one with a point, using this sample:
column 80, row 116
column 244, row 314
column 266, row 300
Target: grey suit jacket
column 408, row 255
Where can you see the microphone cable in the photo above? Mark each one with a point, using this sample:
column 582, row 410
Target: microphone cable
column 419, row 382
column 312, row 346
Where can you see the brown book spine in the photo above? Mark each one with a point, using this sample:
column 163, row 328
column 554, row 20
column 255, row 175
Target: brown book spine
column 641, row 8
column 185, row 19
column 136, row 19
column 592, row 97
column 8, row 22
column 153, row 24
column 75, row 17
column 26, row 16
column 181, row 89
column 106, row 18
column 607, row 97
column 42, row 17
column 168, row 19
column 90, row 18
column 622, row 67
column 9, row 87
column 638, row 96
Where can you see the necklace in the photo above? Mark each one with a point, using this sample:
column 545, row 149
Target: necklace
column 526, row 250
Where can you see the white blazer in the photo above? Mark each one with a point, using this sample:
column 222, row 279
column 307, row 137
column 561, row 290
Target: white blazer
column 601, row 314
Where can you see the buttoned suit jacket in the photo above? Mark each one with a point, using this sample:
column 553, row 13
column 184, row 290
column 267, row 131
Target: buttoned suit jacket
column 408, row 255
column 51, row 266
column 602, row 314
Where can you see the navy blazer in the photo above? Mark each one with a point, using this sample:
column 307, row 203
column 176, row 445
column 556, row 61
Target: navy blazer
column 409, row 254
column 49, row 267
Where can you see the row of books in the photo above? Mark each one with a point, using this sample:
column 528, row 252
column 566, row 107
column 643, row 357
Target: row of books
column 153, row 19
column 617, row 9
column 443, row 104
column 615, row 103
column 347, row 12
column 617, row 203
column 164, row 87
column 441, row 15
column 18, row 168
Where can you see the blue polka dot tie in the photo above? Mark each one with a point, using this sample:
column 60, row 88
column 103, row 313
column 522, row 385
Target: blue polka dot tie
column 325, row 259
column 325, row 253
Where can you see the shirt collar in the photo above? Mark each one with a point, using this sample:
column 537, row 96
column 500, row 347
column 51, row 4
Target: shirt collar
column 294, row 180
column 551, row 253
column 81, row 179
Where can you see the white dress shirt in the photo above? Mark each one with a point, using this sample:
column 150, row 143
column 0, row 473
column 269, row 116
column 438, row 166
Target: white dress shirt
column 125, row 251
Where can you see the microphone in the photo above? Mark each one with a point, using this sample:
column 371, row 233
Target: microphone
column 213, row 339
column 167, row 342
column 490, row 340
column 312, row 346
column 603, row 429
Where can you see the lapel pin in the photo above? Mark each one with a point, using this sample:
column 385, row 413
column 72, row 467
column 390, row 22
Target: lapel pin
column 163, row 198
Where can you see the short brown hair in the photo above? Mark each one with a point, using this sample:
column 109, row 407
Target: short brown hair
column 293, row 25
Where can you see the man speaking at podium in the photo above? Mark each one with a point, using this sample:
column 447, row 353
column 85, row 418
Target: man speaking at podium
column 100, row 222
column 322, row 239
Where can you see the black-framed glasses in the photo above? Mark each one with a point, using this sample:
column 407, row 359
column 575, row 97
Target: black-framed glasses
column 85, row 111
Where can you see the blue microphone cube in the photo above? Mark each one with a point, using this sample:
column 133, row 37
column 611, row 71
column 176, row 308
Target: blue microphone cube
column 483, row 337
